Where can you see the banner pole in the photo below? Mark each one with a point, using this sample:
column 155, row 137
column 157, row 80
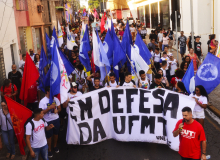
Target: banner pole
column 132, row 65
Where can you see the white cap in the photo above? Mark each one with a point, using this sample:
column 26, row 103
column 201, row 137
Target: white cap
column 170, row 55
column 74, row 84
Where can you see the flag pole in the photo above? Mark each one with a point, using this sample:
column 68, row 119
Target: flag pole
column 132, row 66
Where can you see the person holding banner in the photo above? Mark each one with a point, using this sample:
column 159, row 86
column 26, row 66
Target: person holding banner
column 112, row 82
column 191, row 134
column 201, row 98
column 96, row 84
column 143, row 82
column 157, row 82
column 128, row 81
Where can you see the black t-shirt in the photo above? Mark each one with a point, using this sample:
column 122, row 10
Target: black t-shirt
column 208, row 43
column 153, row 36
column 197, row 49
column 15, row 78
column 170, row 35
column 154, row 85
column 190, row 41
column 93, row 88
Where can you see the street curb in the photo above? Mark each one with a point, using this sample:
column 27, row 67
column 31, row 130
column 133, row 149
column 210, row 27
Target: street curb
column 214, row 110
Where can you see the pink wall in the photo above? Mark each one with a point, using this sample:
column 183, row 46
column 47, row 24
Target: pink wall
column 21, row 20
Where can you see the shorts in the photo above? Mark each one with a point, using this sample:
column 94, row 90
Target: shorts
column 182, row 50
column 199, row 114
column 171, row 43
column 55, row 130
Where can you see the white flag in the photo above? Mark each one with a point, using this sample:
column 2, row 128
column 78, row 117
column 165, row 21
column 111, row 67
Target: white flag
column 70, row 41
column 95, row 48
column 64, row 84
column 60, row 35
column 137, row 61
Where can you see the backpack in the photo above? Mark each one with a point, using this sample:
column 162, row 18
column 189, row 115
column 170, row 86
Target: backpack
column 32, row 124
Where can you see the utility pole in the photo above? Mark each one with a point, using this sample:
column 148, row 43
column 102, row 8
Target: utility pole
column 192, row 23
column 176, row 36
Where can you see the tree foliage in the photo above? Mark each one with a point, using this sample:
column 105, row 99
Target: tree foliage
column 95, row 3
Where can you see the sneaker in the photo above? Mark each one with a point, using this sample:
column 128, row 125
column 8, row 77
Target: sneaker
column 56, row 149
column 50, row 155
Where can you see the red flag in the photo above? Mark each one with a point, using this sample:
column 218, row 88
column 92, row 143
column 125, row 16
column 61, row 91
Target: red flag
column 92, row 64
column 19, row 115
column 102, row 24
column 30, row 76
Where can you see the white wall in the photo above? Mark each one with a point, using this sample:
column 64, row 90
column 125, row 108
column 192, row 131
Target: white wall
column 202, row 18
column 8, row 34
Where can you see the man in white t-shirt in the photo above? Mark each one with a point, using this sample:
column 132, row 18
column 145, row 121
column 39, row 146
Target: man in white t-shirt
column 80, row 75
column 51, row 117
column 21, row 63
column 112, row 82
column 35, row 135
column 164, row 68
column 143, row 82
column 173, row 63
column 73, row 94
column 128, row 81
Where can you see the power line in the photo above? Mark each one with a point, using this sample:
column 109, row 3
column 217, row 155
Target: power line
column 3, row 13
column 7, row 26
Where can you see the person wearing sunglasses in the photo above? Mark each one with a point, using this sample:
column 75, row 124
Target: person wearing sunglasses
column 201, row 98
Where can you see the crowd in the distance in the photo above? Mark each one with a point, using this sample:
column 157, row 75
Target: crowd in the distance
column 164, row 72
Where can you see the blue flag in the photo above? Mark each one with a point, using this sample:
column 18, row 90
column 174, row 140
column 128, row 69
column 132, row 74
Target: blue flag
column 112, row 29
column 55, row 77
column 126, row 45
column 84, row 49
column 68, row 66
column 208, row 74
column 104, row 62
column 43, row 63
column 108, row 46
column 188, row 79
column 118, row 55
column 143, row 50
column 55, row 36
column 48, row 48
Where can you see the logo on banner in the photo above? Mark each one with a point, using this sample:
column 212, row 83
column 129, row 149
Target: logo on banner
column 69, row 37
column 80, row 51
column 105, row 45
column 207, row 72
column 54, row 74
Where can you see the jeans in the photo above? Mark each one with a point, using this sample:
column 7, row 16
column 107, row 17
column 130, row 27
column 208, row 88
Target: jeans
column 188, row 158
column 9, row 135
column 43, row 152
column 182, row 50
column 164, row 46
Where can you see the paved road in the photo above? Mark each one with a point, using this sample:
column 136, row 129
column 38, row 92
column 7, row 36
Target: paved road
column 114, row 150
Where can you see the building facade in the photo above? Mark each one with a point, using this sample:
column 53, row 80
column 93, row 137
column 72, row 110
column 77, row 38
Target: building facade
column 120, row 9
column 9, row 50
column 205, row 16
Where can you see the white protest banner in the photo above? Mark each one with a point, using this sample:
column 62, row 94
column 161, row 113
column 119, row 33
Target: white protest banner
column 126, row 114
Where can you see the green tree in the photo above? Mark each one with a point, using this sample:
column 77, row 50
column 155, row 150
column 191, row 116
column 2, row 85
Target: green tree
column 95, row 3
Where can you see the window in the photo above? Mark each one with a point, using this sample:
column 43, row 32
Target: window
column 21, row 5
column 175, row 7
column 147, row 16
column 141, row 14
column 38, row 39
column 22, row 36
column 154, row 15
column 164, row 14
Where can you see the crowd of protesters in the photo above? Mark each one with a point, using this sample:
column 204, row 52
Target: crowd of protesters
column 164, row 72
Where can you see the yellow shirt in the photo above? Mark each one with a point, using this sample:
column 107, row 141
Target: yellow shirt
column 149, row 70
